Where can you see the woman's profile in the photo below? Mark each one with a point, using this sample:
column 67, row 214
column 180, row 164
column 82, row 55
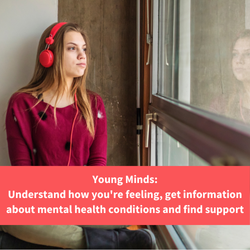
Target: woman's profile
column 237, row 104
column 55, row 121
column 241, row 71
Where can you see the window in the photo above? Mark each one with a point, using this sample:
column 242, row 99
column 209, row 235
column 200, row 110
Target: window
column 200, row 84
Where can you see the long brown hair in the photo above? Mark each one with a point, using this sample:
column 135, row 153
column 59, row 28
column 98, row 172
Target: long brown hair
column 43, row 78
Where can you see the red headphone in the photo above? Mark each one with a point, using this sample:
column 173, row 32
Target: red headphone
column 46, row 57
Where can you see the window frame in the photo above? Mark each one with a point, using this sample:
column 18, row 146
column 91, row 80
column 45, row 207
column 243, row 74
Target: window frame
column 207, row 135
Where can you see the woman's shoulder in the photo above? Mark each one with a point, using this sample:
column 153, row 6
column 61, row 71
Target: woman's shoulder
column 21, row 99
column 93, row 94
column 95, row 98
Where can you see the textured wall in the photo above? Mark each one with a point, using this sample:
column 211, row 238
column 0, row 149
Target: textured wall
column 110, row 25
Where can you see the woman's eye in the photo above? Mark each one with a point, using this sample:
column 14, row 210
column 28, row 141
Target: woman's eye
column 235, row 54
column 71, row 48
column 85, row 49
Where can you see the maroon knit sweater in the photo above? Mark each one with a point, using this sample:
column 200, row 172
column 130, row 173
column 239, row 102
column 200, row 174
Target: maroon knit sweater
column 35, row 139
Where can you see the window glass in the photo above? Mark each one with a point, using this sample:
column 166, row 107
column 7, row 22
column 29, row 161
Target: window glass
column 212, row 52
column 172, row 153
column 217, row 237
column 165, row 54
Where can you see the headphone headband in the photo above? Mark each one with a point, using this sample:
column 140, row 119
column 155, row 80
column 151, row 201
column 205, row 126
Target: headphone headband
column 46, row 57
column 55, row 29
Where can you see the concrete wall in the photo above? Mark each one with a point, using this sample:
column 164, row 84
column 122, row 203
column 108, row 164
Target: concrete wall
column 111, row 27
column 22, row 23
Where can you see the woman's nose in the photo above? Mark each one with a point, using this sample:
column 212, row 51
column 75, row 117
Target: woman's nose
column 240, row 59
column 82, row 54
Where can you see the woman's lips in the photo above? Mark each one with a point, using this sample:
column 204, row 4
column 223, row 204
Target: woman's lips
column 239, row 70
column 83, row 65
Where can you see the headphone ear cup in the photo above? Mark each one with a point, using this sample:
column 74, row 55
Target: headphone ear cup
column 46, row 58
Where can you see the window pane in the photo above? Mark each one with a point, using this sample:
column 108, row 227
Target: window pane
column 165, row 52
column 217, row 237
column 172, row 153
column 213, row 52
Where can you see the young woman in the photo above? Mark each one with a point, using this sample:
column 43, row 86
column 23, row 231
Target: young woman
column 55, row 120
column 241, row 71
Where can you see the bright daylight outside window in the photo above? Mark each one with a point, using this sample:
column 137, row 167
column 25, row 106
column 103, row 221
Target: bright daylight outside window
column 203, row 59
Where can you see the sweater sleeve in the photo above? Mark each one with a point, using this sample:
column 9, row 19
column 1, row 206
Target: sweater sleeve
column 17, row 127
column 98, row 149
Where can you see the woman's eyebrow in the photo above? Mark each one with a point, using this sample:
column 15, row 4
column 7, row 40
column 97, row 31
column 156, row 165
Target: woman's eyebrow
column 76, row 44
column 243, row 49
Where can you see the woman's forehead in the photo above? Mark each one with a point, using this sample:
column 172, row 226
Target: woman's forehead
column 74, row 37
column 242, row 44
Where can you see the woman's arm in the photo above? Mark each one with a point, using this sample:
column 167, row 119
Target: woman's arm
column 98, row 150
column 18, row 129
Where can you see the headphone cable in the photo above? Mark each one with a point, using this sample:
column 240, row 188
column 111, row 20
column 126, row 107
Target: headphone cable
column 71, row 133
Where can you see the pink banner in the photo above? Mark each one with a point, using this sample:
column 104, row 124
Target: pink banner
column 124, row 195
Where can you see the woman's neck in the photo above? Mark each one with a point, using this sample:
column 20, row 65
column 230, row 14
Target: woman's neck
column 246, row 95
column 50, row 96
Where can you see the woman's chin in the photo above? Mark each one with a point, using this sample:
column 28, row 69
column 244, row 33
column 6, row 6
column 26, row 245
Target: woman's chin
column 78, row 75
column 240, row 77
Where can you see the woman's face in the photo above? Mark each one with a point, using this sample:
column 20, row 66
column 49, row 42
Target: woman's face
column 74, row 57
column 241, row 60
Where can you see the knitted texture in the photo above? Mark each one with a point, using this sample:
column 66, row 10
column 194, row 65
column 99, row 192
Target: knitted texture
column 35, row 139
